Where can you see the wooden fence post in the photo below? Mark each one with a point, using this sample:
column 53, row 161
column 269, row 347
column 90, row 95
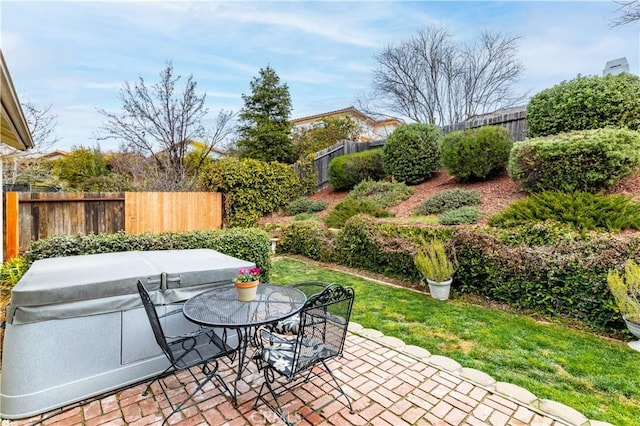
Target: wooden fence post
column 11, row 231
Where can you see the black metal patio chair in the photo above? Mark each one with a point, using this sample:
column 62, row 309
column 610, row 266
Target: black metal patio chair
column 199, row 348
column 289, row 362
column 291, row 325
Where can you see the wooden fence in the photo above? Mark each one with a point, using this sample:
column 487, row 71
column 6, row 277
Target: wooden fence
column 513, row 119
column 32, row 216
column 324, row 157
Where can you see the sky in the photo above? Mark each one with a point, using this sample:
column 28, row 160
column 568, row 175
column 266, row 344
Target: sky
column 77, row 55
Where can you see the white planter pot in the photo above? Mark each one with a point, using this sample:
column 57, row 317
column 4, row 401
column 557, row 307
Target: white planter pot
column 440, row 290
column 635, row 330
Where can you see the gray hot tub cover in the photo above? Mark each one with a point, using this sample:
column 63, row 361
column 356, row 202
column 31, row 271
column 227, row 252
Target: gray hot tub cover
column 66, row 287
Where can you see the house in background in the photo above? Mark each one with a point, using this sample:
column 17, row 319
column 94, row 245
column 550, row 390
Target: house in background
column 54, row 155
column 371, row 129
column 14, row 131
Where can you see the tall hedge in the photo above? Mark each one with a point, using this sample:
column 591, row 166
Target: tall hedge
column 585, row 103
column 589, row 160
column 476, row 154
column 250, row 244
column 546, row 268
column 411, row 153
column 251, row 188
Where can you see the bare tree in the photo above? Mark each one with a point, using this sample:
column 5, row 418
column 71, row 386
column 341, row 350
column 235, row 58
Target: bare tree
column 42, row 124
column 160, row 122
column 431, row 79
column 23, row 167
column 628, row 12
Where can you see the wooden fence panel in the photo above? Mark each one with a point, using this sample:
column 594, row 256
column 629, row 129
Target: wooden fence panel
column 45, row 214
column 514, row 121
column 32, row 216
column 172, row 211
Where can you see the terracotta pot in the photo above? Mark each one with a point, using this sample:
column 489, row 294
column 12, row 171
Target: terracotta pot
column 247, row 291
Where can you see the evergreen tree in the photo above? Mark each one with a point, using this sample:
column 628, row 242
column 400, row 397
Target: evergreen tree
column 264, row 130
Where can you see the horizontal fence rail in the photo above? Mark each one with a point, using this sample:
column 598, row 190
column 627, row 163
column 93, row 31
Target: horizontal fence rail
column 514, row 121
column 32, row 216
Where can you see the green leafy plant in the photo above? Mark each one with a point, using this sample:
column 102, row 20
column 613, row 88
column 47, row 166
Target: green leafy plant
column 585, row 103
column 10, row 273
column 589, row 160
column 304, row 205
column 448, row 199
column 252, row 188
column 382, row 194
column 307, row 238
column 476, row 154
column 411, row 154
column 581, row 210
column 350, row 207
column 460, row 216
column 626, row 290
column 432, row 261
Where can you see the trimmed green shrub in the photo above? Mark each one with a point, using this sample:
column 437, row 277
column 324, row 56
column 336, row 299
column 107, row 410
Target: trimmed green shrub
column 581, row 210
column 347, row 171
column 350, row 207
column 585, row 103
column 589, row 160
column 459, row 216
column 537, row 234
column 560, row 273
column 382, row 194
column 250, row 244
column 359, row 244
column 411, row 154
column 448, row 199
column 251, row 188
column 568, row 278
column 304, row 205
column 476, row 154
column 307, row 238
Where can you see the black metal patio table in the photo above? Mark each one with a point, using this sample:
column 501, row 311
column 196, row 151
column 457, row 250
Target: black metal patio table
column 220, row 307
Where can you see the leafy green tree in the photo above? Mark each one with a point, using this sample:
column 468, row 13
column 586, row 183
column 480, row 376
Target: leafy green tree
column 264, row 130
column 324, row 134
column 80, row 166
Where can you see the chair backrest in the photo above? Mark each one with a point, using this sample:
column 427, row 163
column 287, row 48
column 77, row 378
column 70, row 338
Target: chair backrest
column 152, row 315
column 310, row 288
column 323, row 326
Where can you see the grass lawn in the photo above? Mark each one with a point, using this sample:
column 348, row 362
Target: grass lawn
column 596, row 376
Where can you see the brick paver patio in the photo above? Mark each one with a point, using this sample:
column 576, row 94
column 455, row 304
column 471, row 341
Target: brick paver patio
column 392, row 385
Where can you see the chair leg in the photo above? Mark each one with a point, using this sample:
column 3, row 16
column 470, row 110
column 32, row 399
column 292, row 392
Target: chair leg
column 209, row 372
column 338, row 387
column 269, row 378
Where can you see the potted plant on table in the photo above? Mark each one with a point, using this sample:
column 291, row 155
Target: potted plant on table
column 436, row 267
column 626, row 292
column 246, row 283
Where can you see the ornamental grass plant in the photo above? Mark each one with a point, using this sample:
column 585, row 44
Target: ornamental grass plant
column 626, row 290
column 433, row 262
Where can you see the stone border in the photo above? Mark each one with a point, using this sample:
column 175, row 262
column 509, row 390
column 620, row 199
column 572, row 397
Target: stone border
column 517, row 394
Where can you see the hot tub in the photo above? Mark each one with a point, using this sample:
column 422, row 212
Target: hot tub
column 76, row 328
